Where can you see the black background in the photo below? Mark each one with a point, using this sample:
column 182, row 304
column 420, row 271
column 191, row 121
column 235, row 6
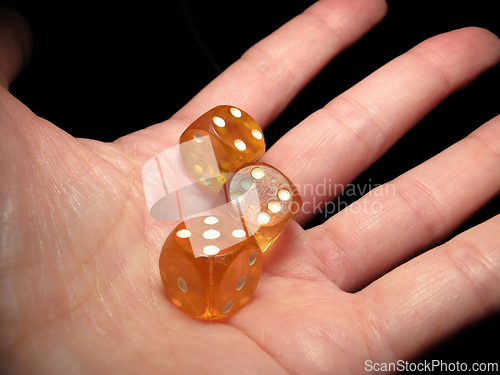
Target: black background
column 102, row 70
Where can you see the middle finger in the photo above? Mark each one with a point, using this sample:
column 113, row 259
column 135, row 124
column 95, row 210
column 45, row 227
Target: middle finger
column 341, row 140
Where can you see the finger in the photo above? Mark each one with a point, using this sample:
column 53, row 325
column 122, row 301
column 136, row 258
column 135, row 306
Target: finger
column 420, row 208
column 269, row 75
column 338, row 142
column 15, row 44
column 433, row 295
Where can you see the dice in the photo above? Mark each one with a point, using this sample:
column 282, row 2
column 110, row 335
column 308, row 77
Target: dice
column 265, row 199
column 234, row 137
column 210, row 266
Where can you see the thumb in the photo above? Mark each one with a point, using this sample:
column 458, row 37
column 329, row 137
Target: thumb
column 15, row 44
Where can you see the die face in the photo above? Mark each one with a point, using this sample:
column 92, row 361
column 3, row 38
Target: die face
column 240, row 277
column 235, row 136
column 181, row 280
column 194, row 150
column 266, row 200
column 239, row 133
column 209, row 267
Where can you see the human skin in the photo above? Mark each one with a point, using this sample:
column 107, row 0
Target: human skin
column 79, row 281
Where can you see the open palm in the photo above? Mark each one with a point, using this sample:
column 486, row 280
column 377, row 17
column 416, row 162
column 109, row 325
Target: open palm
column 79, row 282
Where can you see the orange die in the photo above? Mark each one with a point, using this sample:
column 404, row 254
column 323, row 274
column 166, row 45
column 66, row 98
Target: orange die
column 210, row 267
column 234, row 137
column 265, row 199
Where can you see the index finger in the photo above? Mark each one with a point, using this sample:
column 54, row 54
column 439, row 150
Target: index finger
column 271, row 73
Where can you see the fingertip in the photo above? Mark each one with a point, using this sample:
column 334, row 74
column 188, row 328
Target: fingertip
column 462, row 54
column 489, row 40
column 371, row 12
column 378, row 9
column 484, row 46
column 15, row 44
column 374, row 10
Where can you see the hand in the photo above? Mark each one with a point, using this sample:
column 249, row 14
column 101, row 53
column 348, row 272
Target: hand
column 79, row 252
